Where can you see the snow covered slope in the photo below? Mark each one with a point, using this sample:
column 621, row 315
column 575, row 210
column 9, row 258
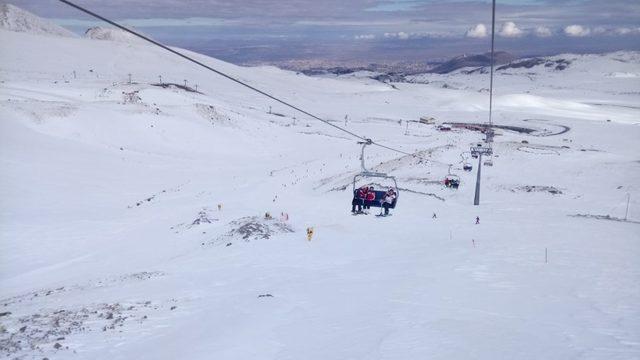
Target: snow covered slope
column 132, row 213
column 14, row 18
column 593, row 85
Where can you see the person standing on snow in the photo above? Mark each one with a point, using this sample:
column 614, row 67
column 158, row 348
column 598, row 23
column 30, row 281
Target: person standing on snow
column 477, row 220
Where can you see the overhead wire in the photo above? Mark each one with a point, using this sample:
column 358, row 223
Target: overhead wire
column 232, row 78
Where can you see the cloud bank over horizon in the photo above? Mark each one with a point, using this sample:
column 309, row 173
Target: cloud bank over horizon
column 377, row 29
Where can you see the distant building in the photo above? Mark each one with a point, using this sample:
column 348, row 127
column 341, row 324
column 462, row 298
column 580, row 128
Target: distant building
column 427, row 120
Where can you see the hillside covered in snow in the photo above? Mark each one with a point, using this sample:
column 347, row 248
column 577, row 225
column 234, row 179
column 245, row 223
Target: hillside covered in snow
column 134, row 190
column 13, row 18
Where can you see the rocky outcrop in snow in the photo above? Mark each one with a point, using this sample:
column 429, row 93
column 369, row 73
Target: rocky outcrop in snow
column 110, row 34
column 13, row 18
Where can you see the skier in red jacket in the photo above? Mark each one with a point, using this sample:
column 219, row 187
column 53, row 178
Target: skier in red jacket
column 371, row 196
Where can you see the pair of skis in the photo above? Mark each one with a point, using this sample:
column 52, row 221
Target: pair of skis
column 366, row 213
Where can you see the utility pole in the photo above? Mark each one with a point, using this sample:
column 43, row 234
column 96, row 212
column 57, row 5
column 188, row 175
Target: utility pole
column 129, row 79
column 160, row 77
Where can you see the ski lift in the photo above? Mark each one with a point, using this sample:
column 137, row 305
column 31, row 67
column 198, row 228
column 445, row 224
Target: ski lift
column 366, row 174
column 452, row 180
column 466, row 165
column 488, row 162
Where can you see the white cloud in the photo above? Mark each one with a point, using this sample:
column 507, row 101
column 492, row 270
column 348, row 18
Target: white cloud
column 623, row 31
column 403, row 35
column 600, row 30
column 615, row 31
column 509, row 29
column 365, row 37
column 542, row 31
column 399, row 35
column 577, row 31
column 479, row 31
column 627, row 31
column 406, row 36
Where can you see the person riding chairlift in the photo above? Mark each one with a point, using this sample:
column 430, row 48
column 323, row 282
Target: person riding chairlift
column 358, row 199
column 371, row 196
column 388, row 199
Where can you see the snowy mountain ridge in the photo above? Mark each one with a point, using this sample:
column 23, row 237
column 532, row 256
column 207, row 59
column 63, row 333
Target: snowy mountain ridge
column 615, row 64
column 13, row 18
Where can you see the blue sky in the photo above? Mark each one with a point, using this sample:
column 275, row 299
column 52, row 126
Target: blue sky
column 380, row 30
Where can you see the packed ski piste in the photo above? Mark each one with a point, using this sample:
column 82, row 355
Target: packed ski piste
column 152, row 209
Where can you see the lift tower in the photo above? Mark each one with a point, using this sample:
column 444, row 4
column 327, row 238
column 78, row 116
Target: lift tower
column 479, row 151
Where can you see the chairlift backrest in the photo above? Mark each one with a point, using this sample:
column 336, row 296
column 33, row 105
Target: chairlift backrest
column 377, row 175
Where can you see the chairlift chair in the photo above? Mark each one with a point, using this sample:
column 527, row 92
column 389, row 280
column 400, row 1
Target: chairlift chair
column 366, row 174
column 467, row 167
column 488, row 162
column 452, row 180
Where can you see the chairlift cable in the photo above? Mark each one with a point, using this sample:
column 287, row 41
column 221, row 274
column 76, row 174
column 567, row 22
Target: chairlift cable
column 229, row 77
